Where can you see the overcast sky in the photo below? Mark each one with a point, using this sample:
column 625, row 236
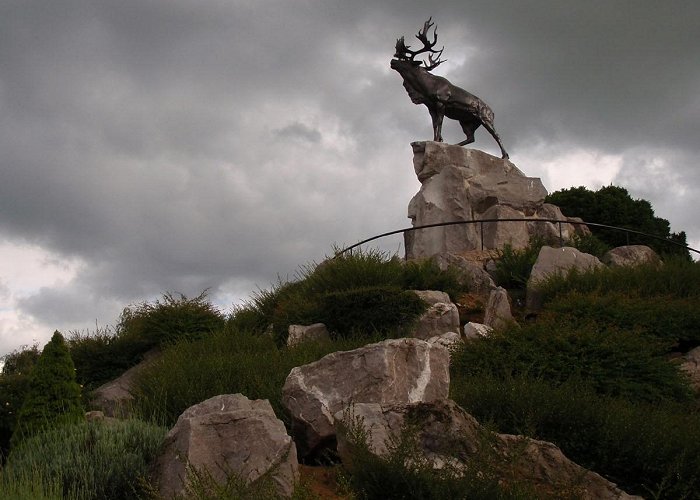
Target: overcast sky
column 180, row 145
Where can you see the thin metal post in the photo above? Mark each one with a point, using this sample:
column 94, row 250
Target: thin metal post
column 561, row 238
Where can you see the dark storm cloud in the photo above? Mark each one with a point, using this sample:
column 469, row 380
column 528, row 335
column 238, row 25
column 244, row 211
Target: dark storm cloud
column 181, row 145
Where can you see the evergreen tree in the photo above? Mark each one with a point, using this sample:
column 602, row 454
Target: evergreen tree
column 613, row 206
column 53, row 396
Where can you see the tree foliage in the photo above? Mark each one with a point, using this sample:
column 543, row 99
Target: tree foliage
column 53, row 395
column 613, row 206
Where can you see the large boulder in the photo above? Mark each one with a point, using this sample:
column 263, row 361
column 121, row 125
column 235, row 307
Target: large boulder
column 448, row 435
column 551, row 261
column 460, row 184
column 631, row 255
column 404, row 370
column 224, row 435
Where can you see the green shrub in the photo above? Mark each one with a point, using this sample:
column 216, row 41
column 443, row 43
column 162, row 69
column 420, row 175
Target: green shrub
column 372, row 309
column 612, row 362
column 92, row 460
column 226, row 362
column 53, row 396
column 173, row 318
column 650, row 450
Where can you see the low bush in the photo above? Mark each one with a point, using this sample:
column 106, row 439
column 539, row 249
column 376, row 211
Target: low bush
column 91, row 460
column 612, row 362
column 650, row 450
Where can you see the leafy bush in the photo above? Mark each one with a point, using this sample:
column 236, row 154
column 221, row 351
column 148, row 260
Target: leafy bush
column 617, row 363
column 226, row 362
column 53, row 395
column 92, row 460
column 21, row 361
column 612, row 205
column 650, row 450
column 14, row 385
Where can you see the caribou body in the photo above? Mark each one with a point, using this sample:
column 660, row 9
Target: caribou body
column 438, row 94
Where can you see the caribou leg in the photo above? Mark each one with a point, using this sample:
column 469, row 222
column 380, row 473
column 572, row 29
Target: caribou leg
column 492, row 131
column 468, row 127
column 437, row 114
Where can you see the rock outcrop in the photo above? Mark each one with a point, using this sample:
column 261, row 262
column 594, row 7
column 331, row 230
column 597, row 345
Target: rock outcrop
column 302, row 333
column 224, row 435
column 691, row 366
column 551, row 261
column 631, row 255
column 114, row 398
column 448, row 436
column 441, row 317
column 389, row 372
column 460, row 184
column 498, row 311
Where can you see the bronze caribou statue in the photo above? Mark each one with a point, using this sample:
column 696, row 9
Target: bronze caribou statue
column 437, row 93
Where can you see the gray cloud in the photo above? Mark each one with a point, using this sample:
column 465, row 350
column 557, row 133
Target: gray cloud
column 181, row 145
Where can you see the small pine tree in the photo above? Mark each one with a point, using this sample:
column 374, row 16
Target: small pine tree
column 53, row 396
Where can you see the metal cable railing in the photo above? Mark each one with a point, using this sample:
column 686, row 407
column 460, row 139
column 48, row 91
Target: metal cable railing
column 481, row 223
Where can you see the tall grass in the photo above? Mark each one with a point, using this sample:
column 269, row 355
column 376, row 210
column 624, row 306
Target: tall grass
column 650, row 450
column 334, row 291
column 226, row 362
column 92, row 460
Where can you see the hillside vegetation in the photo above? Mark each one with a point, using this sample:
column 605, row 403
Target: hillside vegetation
column 594, row 373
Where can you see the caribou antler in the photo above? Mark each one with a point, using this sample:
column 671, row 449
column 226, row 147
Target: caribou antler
column 404, row 51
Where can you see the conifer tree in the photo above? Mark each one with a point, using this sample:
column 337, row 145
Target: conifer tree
column 53, row 397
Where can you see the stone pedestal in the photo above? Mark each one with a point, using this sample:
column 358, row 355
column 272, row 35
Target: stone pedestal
column 460, row 184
